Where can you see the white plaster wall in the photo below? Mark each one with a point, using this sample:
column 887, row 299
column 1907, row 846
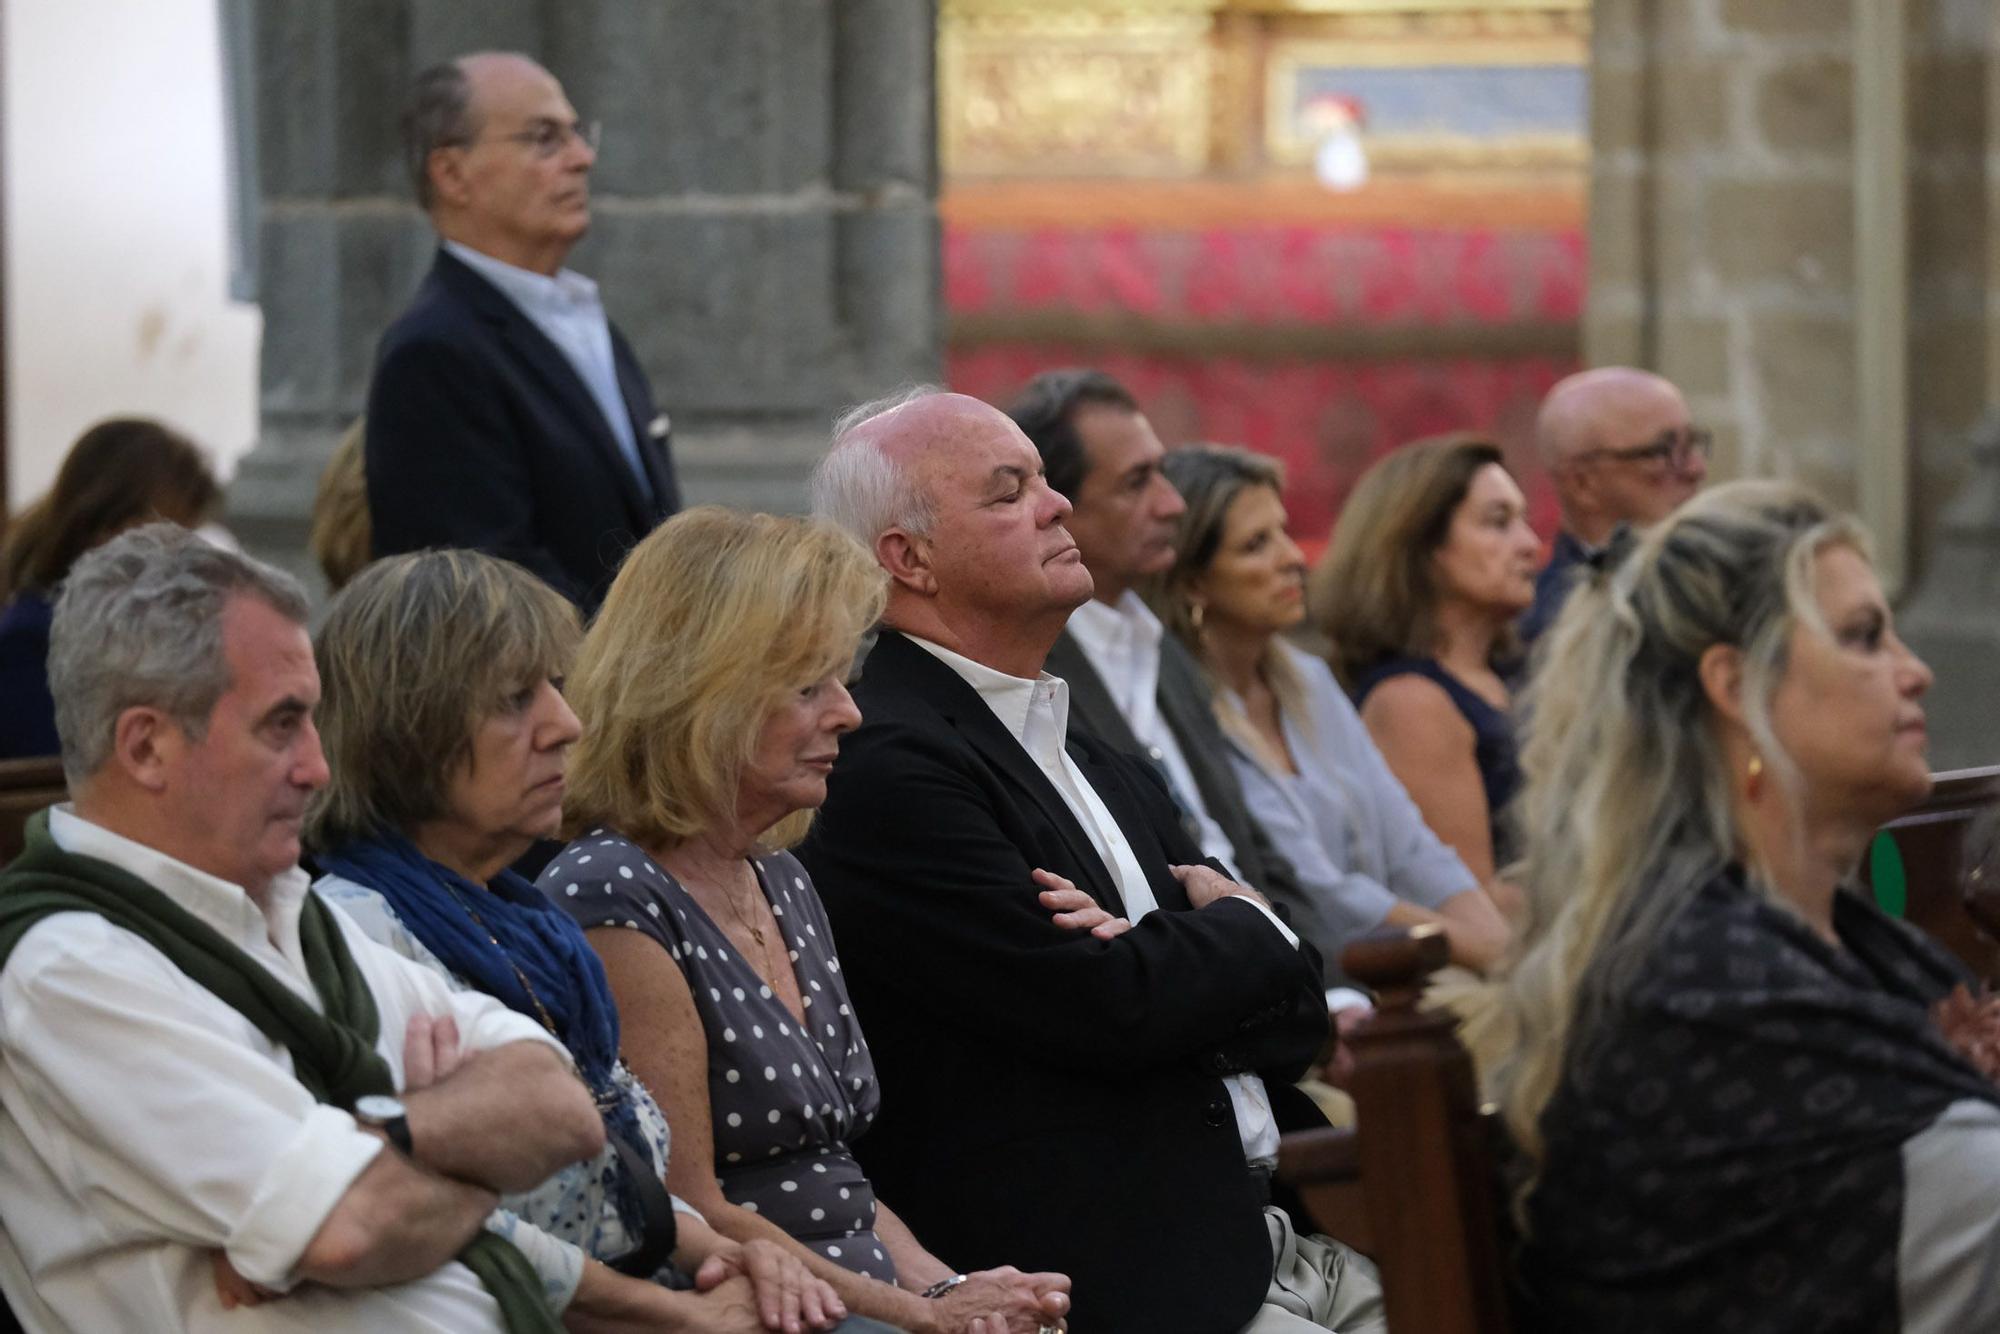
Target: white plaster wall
column 117, row 276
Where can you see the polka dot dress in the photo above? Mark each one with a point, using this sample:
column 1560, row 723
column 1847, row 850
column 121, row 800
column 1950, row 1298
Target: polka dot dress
column 784, row 1102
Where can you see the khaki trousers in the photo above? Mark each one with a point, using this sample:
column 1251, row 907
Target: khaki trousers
column 1317, row 1284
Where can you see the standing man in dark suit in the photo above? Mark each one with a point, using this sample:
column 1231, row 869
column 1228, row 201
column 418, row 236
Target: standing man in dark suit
column 1102, row 1100
column 506, row 413
column 1130, row 682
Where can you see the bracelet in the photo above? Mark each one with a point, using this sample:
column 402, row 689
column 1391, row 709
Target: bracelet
column 944, row 1285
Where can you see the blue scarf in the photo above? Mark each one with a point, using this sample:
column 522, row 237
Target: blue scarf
column 439, row 907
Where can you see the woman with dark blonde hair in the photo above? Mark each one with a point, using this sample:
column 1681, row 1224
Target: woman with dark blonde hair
column 1310, row 774
column 1726, row 1072
column 712, row 691
column 119, row 474
column 1431, row 562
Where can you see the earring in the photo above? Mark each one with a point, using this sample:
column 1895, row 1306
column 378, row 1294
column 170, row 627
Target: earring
column 1195, row 613
column 1753, row 784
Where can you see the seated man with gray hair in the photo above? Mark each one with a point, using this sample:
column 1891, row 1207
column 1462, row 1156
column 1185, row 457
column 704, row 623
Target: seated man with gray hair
column 1104, row 1102
column 215, row 1091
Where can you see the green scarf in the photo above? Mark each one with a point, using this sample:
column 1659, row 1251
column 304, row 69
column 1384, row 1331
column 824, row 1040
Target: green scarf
column 333, row 1054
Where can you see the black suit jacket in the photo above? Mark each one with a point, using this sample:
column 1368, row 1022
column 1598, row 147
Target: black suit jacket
column 1050, row 1100
column 482, row 435
column 1183, row 696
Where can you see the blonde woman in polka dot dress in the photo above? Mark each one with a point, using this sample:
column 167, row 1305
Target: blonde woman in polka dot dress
column 712, row 697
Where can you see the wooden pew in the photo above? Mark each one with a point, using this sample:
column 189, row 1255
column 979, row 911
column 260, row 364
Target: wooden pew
column 25, row 787
column 1414, row 1185
column 1925, row 867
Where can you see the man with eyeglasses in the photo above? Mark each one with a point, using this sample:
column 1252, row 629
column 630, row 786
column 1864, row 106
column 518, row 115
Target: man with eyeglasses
column 506, row 413
column 1618, row 445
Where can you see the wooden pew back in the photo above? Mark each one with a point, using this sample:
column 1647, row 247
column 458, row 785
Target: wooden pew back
column 26, row 786
column 1925, row 869
column 1414, row 1185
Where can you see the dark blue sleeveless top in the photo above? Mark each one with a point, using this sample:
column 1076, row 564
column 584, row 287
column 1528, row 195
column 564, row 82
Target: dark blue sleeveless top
column 1493, row 739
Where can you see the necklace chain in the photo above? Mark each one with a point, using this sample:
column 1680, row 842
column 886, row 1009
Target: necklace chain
column 541, row 1010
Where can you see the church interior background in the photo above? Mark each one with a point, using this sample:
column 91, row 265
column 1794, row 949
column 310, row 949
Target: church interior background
column 1319, row 228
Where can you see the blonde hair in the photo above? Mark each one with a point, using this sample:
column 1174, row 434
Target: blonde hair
column 342, row 535
column 714, row 617
column 415, row 653
column 1210, row 478
column 1373, row 593
column 1626, row 810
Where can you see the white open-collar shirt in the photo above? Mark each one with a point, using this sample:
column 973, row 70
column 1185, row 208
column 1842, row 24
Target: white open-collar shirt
column 1036, row 714
column 144, row 1123
column 1122, row 641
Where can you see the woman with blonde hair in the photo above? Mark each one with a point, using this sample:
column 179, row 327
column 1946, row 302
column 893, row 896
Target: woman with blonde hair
column 1432, row 560
column 119, row 474
column 1734, row 1107
column 712, row 692
column 1310, row 774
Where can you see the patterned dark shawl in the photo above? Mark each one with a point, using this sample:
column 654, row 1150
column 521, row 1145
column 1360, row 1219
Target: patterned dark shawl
column 1728, row 1154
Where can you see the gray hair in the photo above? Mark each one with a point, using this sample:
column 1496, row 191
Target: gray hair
column 1626, row 809
column 438, row 115
column 139, row 624
column 860, row 489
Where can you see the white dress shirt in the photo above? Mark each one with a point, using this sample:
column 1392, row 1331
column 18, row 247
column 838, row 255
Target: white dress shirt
column 1036, row 714
column 569, row 311
column 144, row 1123
column 1122, row 641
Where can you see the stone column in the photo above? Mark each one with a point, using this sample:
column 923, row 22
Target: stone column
column 765, row 225
column 1723, row 256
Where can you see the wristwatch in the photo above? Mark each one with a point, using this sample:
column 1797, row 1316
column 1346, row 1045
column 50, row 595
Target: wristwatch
column 944, row 1285
column 385, row 1114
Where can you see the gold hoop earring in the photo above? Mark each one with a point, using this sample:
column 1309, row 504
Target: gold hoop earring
column 1753, row 775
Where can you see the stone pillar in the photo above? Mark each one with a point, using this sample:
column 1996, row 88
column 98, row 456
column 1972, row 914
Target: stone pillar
column 1723, row 202
column 765, row 226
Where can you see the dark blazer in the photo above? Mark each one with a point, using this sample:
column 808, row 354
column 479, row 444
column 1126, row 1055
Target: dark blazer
column 1184, row 697
column 1050, row 1100
column 482, row 435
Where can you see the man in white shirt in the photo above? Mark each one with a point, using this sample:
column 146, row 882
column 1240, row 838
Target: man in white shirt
column 1131, row 683
column 164, row 1160
column 1105, row 1101
column 506, row 413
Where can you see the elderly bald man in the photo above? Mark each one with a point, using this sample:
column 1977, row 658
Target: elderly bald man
column 1621, row 450
column 1086, row 1033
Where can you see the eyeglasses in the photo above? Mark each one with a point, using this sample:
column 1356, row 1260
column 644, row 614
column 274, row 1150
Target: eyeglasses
column 1675, row 447
column 550, row 137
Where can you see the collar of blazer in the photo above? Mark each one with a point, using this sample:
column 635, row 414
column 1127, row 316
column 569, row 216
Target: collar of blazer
column 904, row 668
column 548, row 364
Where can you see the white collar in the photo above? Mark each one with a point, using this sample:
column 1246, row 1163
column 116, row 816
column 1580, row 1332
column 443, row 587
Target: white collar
column 1125, row 626
column 217, row 902
column 526, row 287
column 1012, row 698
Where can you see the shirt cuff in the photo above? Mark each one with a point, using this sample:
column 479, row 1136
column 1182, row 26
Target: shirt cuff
column 1291, row 936
column 1347, row 998
column 292, row 1201
column 557, row 1263
column 681, row 1206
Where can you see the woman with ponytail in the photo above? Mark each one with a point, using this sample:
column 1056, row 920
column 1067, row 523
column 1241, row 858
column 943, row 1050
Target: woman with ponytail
column 1719, row 1062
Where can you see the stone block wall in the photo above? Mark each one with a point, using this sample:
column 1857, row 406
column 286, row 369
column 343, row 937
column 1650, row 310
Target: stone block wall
column 765, row 227
column 1723, row 255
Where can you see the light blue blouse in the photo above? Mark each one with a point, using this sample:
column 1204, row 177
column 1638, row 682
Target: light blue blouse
column 572, row 1213
column 1354, row 837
